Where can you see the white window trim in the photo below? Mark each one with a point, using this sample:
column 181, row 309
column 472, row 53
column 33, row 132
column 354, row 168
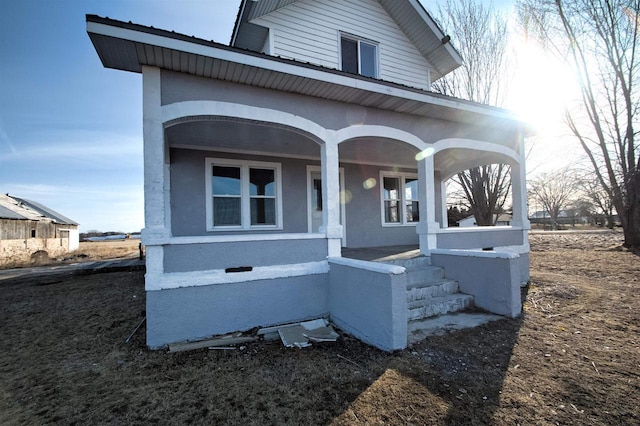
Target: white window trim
column 359, row 39
column 245, row 198
column 403, row 213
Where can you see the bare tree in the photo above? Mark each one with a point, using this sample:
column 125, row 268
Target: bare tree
column 599, row 198
column 553, row 191
column 599, row 39
column 481, row 36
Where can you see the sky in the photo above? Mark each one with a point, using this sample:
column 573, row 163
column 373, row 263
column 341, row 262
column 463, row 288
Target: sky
column 70, row 129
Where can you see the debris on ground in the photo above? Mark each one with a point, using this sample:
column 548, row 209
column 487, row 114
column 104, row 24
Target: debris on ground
column 302, row 334
column 216, row 342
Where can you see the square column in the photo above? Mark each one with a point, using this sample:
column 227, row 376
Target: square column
column 427, row 229
column 331, row 197
column 156, row 171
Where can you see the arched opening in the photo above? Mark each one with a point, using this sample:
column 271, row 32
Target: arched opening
column 229, row 175
column 380, row 197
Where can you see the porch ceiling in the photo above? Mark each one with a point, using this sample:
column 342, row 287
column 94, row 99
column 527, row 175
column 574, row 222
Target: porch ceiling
column 243, row 137
column 452, row 161
column 247, row 137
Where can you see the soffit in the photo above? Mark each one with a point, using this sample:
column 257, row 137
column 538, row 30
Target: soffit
column 128, row 47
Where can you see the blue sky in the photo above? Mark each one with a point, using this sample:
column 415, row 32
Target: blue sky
column 71, row 130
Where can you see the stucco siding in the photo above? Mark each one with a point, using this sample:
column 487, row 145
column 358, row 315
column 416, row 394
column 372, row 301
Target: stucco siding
column 223, row 255
column 198, row 312
column 364, row 215
column 188, row 195
column 178, row 87
column 309, row 31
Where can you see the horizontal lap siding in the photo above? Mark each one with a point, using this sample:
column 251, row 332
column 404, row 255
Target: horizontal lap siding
column 308, row 31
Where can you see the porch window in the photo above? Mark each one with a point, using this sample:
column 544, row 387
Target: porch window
column 359, row 56
column 399, row 199
column 243, row 195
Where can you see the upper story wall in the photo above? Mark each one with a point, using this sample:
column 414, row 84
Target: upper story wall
column 309, row 31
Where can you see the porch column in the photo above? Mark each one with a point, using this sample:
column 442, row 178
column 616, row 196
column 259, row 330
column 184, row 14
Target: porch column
column 441, row 200
column 331, row 193
column 156, row 170
column 428, row 227
column 519, row 191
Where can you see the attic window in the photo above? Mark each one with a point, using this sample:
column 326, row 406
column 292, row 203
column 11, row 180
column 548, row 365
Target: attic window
column 359, row 56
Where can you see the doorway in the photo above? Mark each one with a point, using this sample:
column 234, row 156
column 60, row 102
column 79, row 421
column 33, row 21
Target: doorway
column 315, row 202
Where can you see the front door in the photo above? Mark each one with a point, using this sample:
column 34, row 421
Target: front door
column 315, row 200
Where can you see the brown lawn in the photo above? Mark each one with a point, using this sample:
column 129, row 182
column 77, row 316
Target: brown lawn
column 572, row 358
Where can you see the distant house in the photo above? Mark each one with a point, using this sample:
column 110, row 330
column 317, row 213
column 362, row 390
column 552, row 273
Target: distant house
column 27, row 227
column 565, row 217
column 315, row 130
column 503, row 220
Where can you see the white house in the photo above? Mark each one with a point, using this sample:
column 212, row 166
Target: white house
column 501, row 220
column 313, row 131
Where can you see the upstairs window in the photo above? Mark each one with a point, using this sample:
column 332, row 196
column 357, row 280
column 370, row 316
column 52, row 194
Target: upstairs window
column 359, row 56
column 243, row 195
column 399, row 199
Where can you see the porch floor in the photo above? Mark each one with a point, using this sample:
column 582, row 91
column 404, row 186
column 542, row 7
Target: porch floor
column 382, row 254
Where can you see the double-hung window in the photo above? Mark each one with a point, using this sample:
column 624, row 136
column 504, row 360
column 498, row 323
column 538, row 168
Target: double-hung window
column 359, row 56
column 399, row 198
column 243, row 195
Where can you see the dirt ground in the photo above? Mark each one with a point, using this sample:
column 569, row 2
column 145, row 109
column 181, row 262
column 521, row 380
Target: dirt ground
column 573, row 358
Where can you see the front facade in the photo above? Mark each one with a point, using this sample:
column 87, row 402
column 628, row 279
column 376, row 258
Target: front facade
column 313, row 132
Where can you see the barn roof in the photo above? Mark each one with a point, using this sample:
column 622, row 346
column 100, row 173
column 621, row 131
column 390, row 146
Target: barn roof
column 22, row 209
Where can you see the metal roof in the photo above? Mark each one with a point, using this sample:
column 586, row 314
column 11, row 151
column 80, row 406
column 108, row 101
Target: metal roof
column 46, row 211
column 22, row 209
column 127, row 46
column 410, row 16
column 6, row 213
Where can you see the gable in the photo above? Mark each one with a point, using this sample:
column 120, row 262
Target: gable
column 309, row 31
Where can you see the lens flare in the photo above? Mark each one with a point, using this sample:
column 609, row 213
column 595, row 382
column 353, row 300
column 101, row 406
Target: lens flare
column 369, row 183
column 424, row 154
column 345, row 196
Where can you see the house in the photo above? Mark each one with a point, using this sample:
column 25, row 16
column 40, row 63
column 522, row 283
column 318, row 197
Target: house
column 565, row 217
column 313, row 132
column 27, row 227
column 502, row 220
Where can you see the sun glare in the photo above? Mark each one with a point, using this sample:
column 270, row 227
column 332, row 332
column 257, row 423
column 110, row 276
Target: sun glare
column 542, row 88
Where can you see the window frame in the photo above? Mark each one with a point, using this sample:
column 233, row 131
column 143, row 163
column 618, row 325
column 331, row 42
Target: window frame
column 402, row 199
column 245, row 167
column 359, row 40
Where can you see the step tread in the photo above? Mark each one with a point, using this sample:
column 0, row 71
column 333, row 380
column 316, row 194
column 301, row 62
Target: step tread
column 433, row 283
column 439, row 299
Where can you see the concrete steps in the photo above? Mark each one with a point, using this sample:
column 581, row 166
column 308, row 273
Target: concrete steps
column 432, row 299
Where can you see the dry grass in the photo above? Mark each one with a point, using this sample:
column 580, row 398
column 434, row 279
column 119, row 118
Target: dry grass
column 88, row 251
column 573, row 358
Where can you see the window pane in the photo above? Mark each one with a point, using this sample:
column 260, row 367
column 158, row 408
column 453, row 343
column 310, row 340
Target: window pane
column 226, row 180
column 349, row 52
column 391, row 214
column 263, row 211
column 412, row 214
column 391, row 188
column 367, row 59
column 411, row 189
column 262, row 182
column 226, row 211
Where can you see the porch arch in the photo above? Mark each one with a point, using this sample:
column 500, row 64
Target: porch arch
column 181, row 112
column 384, row 132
